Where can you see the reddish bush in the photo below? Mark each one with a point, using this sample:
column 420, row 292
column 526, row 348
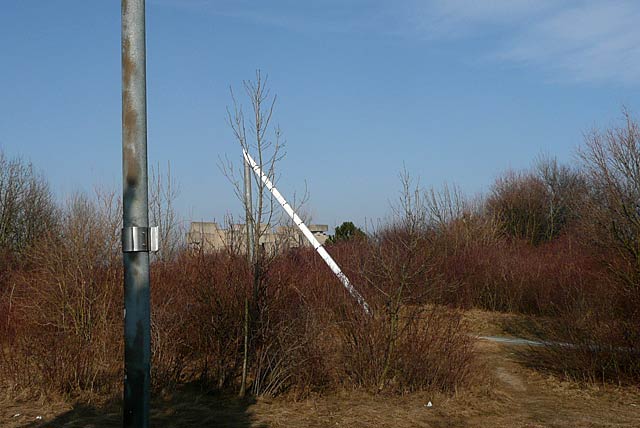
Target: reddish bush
column 589, row 342
column 430, row 349
column 517, row 277
column 197, row 318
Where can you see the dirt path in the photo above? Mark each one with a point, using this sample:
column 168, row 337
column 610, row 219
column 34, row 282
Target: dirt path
column 536, row 400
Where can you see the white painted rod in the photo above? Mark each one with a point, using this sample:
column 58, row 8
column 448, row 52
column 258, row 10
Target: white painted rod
column 307, row 233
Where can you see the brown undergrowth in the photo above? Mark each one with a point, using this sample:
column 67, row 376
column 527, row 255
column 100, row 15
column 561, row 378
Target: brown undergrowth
column 311, row 337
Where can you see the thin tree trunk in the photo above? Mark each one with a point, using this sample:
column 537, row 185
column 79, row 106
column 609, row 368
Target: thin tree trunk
column 393, row 333
column 245, row 356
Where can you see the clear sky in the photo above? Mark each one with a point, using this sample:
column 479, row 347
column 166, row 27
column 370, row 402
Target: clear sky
column 456, row 90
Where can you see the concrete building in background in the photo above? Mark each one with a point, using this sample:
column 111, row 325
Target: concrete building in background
column 210, row 237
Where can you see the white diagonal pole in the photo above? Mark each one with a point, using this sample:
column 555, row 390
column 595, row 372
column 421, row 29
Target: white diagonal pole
column 307, row 233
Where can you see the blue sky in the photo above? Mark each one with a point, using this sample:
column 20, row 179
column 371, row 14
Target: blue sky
column 457, row 91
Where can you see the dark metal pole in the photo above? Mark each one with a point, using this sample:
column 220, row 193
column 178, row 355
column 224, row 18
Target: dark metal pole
column 137, row 353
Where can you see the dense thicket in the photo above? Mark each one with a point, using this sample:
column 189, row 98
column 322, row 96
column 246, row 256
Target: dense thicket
column 554, row 241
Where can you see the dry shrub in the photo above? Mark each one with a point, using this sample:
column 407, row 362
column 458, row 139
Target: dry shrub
column 64, row 309
column 307, row 334
column 588, row 343
column 405, row 345
column 539, row 204
column 27, row 207
column 432, row 351
column 316, row 338
column 601, row 323
column 7, row 266
column 519, row 202
column 197, row 319
column 593, row 334
column 310, row 337
column 289, row 359
column 513, row 276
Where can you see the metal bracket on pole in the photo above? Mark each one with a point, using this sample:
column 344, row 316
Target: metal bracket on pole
column 140, row 239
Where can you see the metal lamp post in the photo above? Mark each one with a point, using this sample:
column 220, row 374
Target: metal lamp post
column 138, row 239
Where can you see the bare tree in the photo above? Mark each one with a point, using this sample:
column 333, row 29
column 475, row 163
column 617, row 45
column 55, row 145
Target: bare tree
column 537, row 204
column 565, row 189
column 257, row 135
column 70, row 295
column 27, row 208
column 163, row 192
column 445, row 205
column 398, row 266
column 611, row 162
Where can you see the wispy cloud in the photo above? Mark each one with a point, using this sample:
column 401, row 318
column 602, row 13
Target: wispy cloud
column 467, row 18
column 578, row 40
column 574, row 40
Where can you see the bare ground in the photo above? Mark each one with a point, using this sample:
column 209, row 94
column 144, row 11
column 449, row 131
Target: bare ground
column 512, row 396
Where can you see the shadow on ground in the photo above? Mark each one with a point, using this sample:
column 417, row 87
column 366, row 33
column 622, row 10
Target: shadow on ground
column 181, row 409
